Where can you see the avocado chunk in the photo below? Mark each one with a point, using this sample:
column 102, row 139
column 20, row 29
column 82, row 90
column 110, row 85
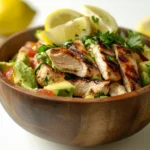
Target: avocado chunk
column 146, row 52
column 145, row 78
column 22, row 56
column 6, row 66
column 144, row 66
column 63, row 88
column 24, row 75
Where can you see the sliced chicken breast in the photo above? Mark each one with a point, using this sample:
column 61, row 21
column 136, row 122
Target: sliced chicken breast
column 84, row 87
column 74, row 60
column 128, row 67
column 47, row 75
column 116, row 89
column 106, row 61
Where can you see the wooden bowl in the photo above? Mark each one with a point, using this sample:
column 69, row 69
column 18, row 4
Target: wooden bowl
column 73, row 121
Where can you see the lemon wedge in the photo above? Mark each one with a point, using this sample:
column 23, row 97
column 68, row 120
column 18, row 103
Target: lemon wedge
column 71, row 30
column 144, row 26
column 100, row 19
column 15, row 15
column 59, row 17
column 42, row 36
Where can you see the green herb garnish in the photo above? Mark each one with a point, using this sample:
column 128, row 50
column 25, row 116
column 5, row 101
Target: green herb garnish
column 44, row 48
column 88, row 40
column 68, row 43
column 46, row 80
column 44, row 58
column 111, row 58
column 95, row 19
column 98, row 95
column 134, row 41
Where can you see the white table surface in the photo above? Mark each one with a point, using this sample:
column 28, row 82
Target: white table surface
column 127, row 13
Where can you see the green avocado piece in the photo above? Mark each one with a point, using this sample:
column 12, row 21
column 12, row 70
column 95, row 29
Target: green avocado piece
column 22, row 56
column 146, row 52
column 24, row 75
column 6, row 65
column 144, row 66
column 145, row 78
column 63, row 88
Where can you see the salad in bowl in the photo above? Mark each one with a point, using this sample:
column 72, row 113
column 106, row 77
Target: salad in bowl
column 81, row 55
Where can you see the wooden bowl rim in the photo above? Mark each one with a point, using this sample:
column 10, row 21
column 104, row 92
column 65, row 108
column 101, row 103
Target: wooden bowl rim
column 11, row 85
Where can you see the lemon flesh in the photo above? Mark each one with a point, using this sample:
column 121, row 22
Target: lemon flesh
column 42, row 36
column 71, row 30
column 60, row 17
column 100, row 19
column 15, row 15
column 144, row 26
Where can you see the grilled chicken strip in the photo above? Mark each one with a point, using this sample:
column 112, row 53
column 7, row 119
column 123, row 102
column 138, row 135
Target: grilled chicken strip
column 84, row 87
column 116, row 89
column 106, row 61
column 128, row 67
column 74, row 60
column 47, row 75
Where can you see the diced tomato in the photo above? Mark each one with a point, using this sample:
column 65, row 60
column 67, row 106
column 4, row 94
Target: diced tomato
column 9, row 74
column 47, row 92
column 31, row 52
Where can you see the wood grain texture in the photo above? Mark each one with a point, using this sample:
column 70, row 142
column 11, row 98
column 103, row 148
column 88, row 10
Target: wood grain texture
column 73, row 121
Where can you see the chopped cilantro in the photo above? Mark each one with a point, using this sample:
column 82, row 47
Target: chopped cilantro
column 68, row 43
column 44, row 48
column 44, row 58
column 134, row 41
column 95, row 19
column 111, row 58
column 88, row 40
column 46, row 80
column 99, row 95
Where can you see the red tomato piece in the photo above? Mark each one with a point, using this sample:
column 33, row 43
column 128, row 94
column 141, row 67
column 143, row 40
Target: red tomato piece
column 47, row 92
column 9, row 74
column 31, row 52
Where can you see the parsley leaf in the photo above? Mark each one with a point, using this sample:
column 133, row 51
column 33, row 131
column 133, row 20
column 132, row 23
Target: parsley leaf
column 134, row 41
column 88, row 40
column 46, row 80
column 111, row 58
column 44, row 58
column 99, row 95
column 44, row 48
column 68, row 43
column 95, row 19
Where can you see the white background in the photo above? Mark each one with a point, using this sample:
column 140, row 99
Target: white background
column 127, row 13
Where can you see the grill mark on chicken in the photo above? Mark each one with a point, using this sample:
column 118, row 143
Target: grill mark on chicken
column 84, row 87
column 76, row 47
column 46, row 71
column 109, row 69
column 55, row 51
column 74, row 60
column 128, row 67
